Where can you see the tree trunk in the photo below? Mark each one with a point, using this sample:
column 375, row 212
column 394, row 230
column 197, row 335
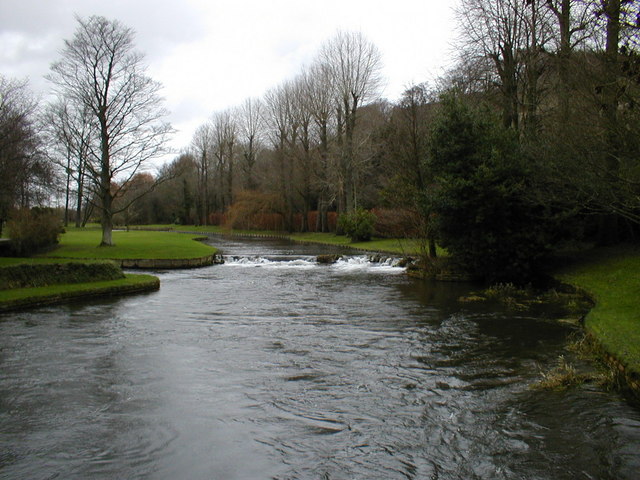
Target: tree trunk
column 533, row 70
column 432, row 247
column 106, row 221
column 230, row 177
column 105, row 180
column 80, row 194
column 321, row 222
column 66, row 201
column 348, row 157
column 609, row 223
column 564, row 20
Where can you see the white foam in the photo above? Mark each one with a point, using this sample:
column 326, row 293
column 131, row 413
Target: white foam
column 346, row 264
column 363, row 263
column 263, row 262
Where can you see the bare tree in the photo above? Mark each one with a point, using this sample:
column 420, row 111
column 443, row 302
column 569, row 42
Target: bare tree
column 25, row 176
column 355, row 66
column 250, row 126
column 411, row 123
column 613, row 90
column 320, row 98
column 302, row 118
column 100, row 71
column 202, row 149
column 510, row 38
column 572, row 28
column 71, row 131
column 537, row 34
column 282, row 132
column 224, row 150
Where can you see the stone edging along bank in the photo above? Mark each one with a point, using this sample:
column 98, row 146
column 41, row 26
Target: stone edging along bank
column 160, row 263
column 168, row 263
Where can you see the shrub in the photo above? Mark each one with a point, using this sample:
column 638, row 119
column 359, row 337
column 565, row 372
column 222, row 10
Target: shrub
column 357, row 225
column 255, row 211
column 33, row 230
column 217, row 218
column 396, row 223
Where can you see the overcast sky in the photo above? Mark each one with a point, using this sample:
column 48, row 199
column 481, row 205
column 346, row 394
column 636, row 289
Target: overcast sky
column 213, row 54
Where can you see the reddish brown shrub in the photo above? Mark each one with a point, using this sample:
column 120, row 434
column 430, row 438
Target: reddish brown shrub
column 255, row 211
column 312, row 220
column 395, row 223
column 217, row 218
column 332, row 221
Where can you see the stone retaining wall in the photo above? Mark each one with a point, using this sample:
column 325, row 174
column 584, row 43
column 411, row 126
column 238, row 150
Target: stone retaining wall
column 166, row 263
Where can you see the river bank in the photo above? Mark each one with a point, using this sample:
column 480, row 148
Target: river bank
column 76, row 268
column 27, row 283
column 611, row 277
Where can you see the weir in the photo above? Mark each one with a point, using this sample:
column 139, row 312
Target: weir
column 345, row 263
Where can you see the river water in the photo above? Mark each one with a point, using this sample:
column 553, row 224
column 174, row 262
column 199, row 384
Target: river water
column 273, row 367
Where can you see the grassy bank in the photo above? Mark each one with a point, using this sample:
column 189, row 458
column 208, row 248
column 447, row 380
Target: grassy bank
column 134, row 244
column 612, row 278
column 20, row 298
column 31, row 282
column 78, row 268
column 42, row 274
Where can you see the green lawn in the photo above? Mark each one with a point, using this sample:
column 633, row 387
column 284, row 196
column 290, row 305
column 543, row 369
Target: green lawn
column 134, row 244
column 612, row 277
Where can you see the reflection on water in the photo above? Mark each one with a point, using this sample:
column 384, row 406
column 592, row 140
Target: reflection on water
column 270, row 366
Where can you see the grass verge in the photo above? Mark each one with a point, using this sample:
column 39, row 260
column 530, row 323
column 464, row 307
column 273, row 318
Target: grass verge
column 19, row 298
column 612, row 278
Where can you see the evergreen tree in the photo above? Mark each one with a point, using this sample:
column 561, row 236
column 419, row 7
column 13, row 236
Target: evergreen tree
column 483, row 214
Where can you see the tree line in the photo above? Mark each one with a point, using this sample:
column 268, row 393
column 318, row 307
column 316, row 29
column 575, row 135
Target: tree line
column 531, row 140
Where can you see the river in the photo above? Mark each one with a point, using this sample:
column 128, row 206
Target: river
column 273, row 367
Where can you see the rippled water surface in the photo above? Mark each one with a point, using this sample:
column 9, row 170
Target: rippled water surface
column 271, row 366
